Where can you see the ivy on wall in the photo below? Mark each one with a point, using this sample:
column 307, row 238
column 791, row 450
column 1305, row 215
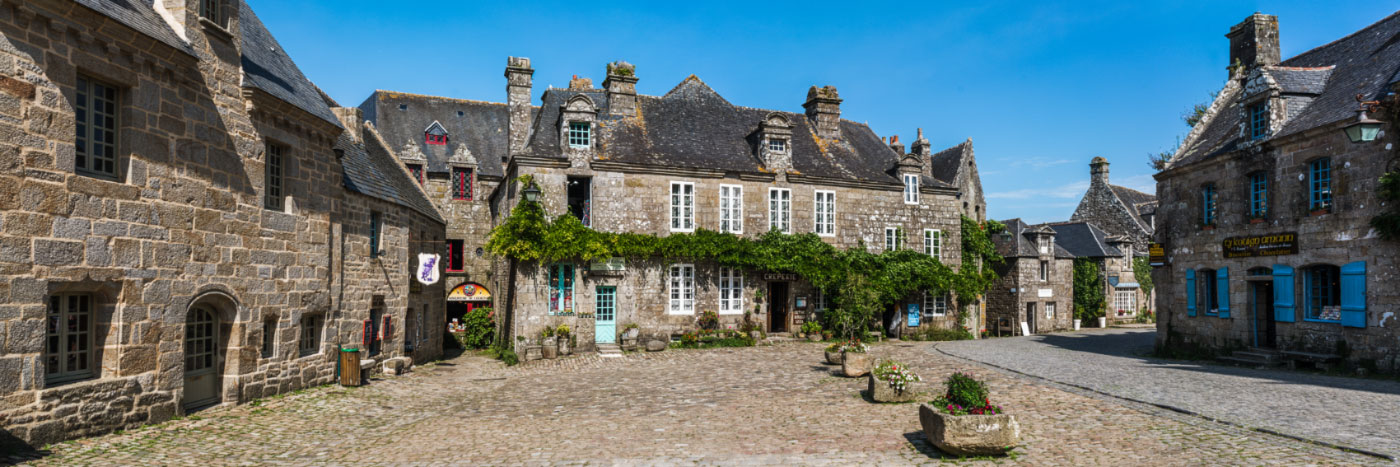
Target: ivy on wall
column 862, row 283
column 1387, row 223
column 1089, row 297
column 1142, row 270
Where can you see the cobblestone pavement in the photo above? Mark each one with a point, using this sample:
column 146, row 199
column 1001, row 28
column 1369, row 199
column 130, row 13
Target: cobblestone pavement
column 1359, row 413
column 765, row 405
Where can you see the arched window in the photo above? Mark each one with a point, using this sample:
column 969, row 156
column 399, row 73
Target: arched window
column 1322, row 292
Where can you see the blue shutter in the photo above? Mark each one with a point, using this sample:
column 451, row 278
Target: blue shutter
column 1284, row 309
column 1222, row 291
column 1354, row 294
column 1190, row 292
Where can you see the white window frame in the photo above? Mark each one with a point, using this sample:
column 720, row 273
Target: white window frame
column 818, row 301
column 680, row 289
column 778, row 145
column 780, row 205
column 731, row 291
column 892, row 240
column 1050, row 310
column 933, row 243
column 1126, row 300
column 824, row 212
column 1045, row 271
column 935, row 304
column 731, row 209
column 682, row 206
column 911, row 189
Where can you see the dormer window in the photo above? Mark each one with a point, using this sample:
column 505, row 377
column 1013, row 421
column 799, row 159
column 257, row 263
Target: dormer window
column 580, row 134
column 911, row 189
column 435, row 134
column 210, row 10
column 436, row 139
column 777, row 145
column 1258, row 120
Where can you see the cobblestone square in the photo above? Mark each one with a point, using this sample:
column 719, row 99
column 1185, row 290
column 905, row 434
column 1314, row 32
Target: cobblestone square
column 767, row 405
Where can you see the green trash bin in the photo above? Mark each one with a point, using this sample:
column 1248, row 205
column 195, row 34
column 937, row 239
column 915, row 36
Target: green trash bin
column 349, row 366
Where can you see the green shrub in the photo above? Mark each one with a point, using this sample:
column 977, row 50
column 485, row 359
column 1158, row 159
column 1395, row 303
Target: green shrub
column 931, row 333
column 966, row 396
column 479, row 329
column 811, row 327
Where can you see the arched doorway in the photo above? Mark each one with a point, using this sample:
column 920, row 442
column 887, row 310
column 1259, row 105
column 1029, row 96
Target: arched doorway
column 202, row 369
column 464, row 298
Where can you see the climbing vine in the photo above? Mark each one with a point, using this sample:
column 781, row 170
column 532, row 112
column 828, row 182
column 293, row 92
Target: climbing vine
column 1142, row 271
column 1387, row 223
column 861, row 283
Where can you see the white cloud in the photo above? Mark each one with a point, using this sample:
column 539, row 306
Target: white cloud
column 1073, row 190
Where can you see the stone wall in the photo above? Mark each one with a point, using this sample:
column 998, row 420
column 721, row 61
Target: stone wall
column 1101, row 207
column 181, row 226
column 1336, row 238
column 1021, row 285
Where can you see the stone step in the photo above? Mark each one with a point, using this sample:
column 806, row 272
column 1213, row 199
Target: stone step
column 1247, row 361
column 609, row 351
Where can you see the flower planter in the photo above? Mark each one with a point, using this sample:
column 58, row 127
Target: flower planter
column 565, row 348
column 969, row 435
column 1256, row 221
column 1319, row 212
column 833, row 357
column 533, row 352
column 1103, row 322
column 881, row 391
column 814, row 337
column 1208, row 227
column 1076, row 325
column 629, row 339
column 855, row 365
column 550, row 348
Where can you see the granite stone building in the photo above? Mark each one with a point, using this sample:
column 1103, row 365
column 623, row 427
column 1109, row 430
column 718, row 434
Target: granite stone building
column 187, row 220
column 1123, row 296
column 1266, row 207
column 1036, row 285
column 1121, row 211
column 621, row 161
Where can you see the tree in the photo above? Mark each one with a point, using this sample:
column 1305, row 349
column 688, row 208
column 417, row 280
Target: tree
column 1142, row 270
column 1088, row 289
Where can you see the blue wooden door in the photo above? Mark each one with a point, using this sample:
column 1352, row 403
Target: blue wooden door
column 605, row 315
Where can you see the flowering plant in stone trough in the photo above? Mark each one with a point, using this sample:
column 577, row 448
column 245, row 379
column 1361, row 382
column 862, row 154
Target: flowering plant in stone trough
column 966, row 396
column 855, row 346
column 896, row 374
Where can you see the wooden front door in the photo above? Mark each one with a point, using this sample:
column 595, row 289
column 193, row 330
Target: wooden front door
column 201, row 358
column 778, row 307
column 605, row 315
column 1263, row 310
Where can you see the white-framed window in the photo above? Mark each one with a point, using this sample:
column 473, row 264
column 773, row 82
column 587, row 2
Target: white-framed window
column 580, row 134
column 780, row 209
column 1044, row 271
column 818, row 301
column 731, row 291
column 1044, row 245
column 682, row 290
column 1050, row 310
column 824, row 212
column 894, row 239
column 731, row 209
column 682, row 207
column 1125, row 301
column 933, row 243
column 911, row 189
column 777, row 145
column 935, row 304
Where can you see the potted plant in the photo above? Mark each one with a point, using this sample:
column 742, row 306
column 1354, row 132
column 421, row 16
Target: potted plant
column 630, row 335
column 548, row 346
column 813, row 330
column 891, row 381
column 855, row 359
column 833, row 353
column 964, row 422
column 532, row 351
column 564, row 335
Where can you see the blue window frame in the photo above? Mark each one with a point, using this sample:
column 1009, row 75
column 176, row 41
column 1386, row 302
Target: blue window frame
column 1208, row 205
column 561, row 287
column 1322, row 297
column 1321, row 184
column 1258, row 121
column 579, row 134
column 1258, row 195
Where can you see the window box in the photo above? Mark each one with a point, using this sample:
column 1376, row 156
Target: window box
column 1256, row 220
column 1320, row 211
column 1208, row 227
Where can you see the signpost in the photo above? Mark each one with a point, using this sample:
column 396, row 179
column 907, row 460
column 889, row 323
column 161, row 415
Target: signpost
column 1261, row 245
column 428, row 272
column 1156, row 255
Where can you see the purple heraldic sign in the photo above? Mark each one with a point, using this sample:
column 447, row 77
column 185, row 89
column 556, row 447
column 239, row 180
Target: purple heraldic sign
column 428, row 268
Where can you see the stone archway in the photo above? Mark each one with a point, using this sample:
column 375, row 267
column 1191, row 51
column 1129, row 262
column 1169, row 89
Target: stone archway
column 208, row 326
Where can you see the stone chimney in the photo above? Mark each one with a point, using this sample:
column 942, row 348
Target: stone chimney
column 1098, row 171
column 896, row 146
column 924, row 152
column 580, row 84
column 353, row 119
column 519, row 77
column 824, row 111
column 621, row 84
column 1253, row 43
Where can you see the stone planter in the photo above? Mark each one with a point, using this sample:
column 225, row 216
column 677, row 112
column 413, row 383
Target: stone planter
column 629, row 339
column 833, row 357
column 881, row 391
column 814, row 337
column 969, row 435
column 756, row 336
column 533, row 352
column 564, row 347
column 1103, row 322
column 855, row 365
column 550, row 348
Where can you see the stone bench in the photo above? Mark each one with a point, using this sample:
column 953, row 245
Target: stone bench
column 1321, row 361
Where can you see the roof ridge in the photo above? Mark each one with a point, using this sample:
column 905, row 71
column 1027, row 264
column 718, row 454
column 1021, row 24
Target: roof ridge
column 429, row 96
column 1300, row 68
column 1144, row 193
column 1343, row 38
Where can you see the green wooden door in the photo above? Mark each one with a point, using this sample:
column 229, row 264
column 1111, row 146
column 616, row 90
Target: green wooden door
column 605, row 315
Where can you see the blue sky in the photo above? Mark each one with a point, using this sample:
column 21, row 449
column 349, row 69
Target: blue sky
column 1040, row 87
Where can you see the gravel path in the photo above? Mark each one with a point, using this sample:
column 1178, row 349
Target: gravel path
column 1353, row 412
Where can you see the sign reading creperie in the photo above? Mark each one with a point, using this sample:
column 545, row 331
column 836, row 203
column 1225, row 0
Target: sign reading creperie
column 1261, row 245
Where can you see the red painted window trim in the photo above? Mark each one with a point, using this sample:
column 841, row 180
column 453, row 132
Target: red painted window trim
column 453, row 251
column 434, row 139
column 461, row 186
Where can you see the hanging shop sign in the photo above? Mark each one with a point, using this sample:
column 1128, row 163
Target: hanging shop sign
column 428, row 268
column 1261, row 245
column 1156, row 254
column 469, row 292
column 777, row 276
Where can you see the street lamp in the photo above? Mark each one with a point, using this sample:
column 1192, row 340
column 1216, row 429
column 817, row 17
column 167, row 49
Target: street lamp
column 531, row 192
column 1364, row 129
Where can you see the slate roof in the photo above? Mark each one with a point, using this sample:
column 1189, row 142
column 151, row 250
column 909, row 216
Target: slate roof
column 1138, row 203
column 1083, row 239
column 479, row 128
column 693, row 126
column 370, row 169
column 1366, row 62
column 948, row 166
column 1022, row 242
column 141, row 16
column 267, row 67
